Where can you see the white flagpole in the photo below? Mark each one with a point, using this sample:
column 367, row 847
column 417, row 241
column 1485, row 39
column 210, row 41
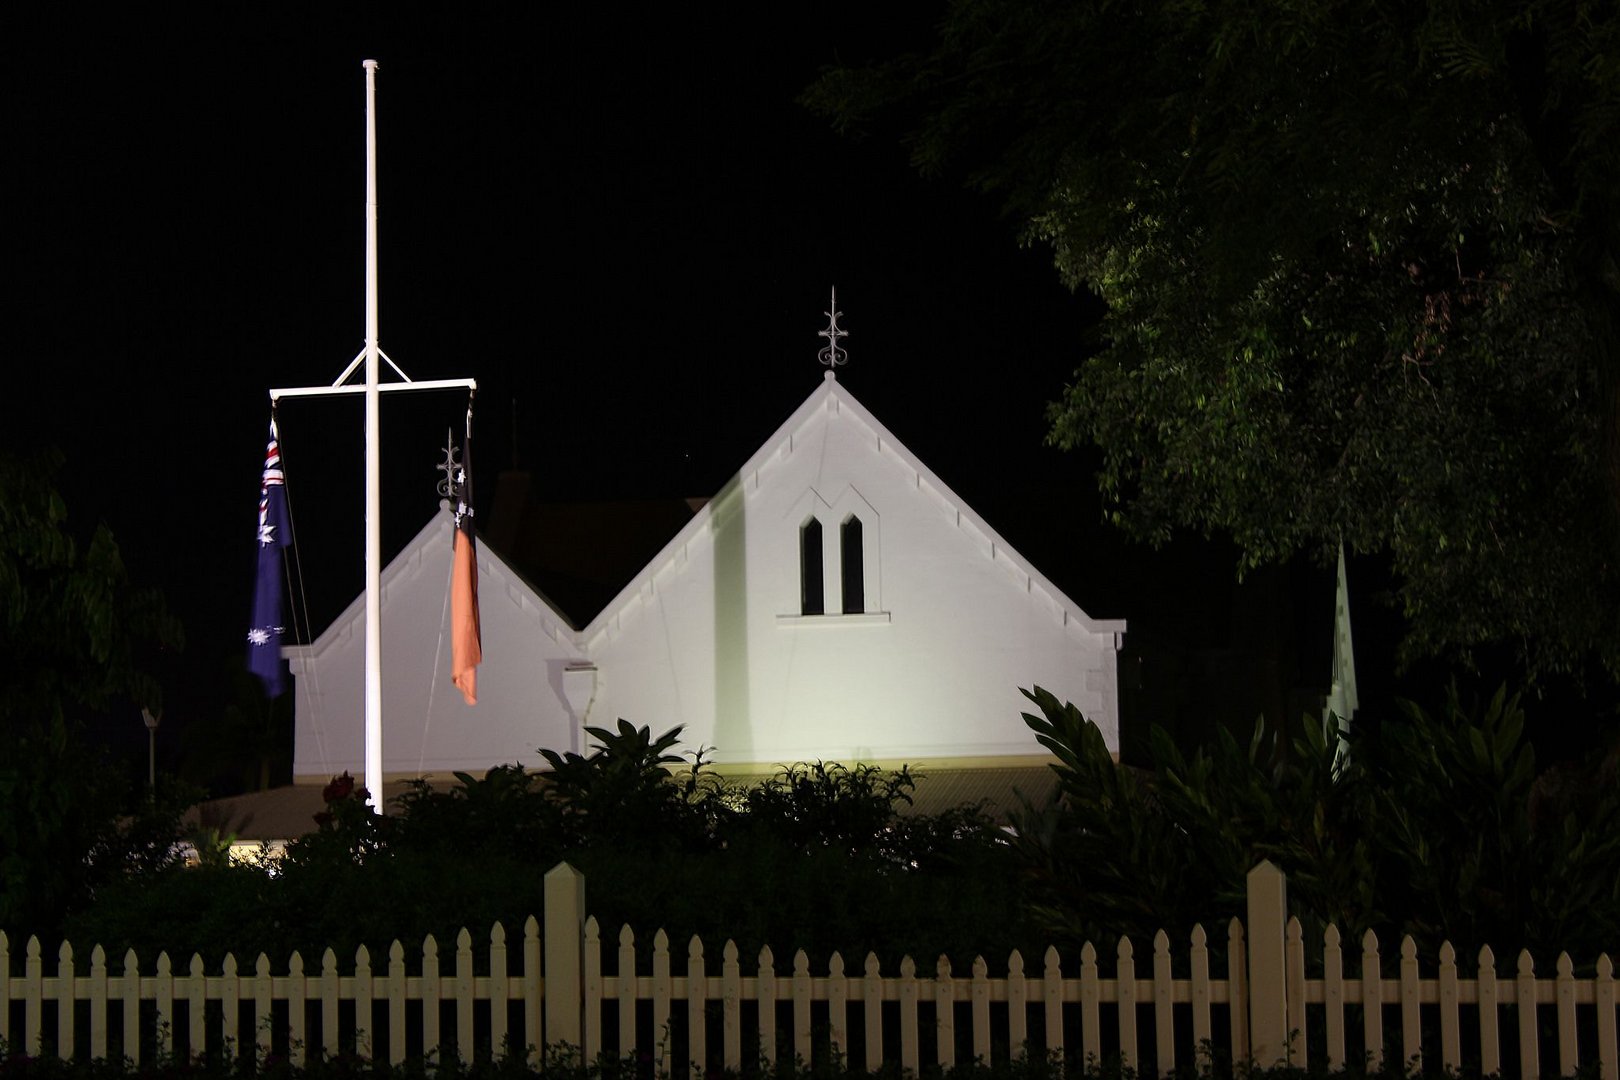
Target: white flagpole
column 373, row 777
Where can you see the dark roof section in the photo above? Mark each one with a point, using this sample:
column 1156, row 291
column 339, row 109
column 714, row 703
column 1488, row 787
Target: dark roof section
column 579, row 554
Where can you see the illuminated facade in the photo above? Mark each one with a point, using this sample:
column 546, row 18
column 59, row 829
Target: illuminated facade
column 835, row 601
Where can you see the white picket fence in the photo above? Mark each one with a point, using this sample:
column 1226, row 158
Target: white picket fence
column 1264, row 1010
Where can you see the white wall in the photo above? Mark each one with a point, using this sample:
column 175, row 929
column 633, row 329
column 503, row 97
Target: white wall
column 711, row 636
column 427, row 727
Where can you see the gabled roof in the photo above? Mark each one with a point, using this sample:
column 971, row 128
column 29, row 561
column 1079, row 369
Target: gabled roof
column 433, row 543
column 831, row 398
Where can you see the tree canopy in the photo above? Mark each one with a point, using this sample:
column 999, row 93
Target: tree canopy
column 1361, row 269
column 71, row 623
column 72, row 630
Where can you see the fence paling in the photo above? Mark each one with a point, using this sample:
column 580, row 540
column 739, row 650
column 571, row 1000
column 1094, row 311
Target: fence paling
column 572, row 991
column 1090, row 1005
column 731, row 996
column 396, row 1003
column 872, row 991
column 910, row 993
column 1163, row 1004
column 1052, row 997
column 1608, row 1037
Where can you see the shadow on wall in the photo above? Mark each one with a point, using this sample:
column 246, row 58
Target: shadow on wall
column 731, row 725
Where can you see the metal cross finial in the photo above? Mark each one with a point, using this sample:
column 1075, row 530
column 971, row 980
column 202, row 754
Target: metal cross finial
column 833, row 356
column 450, row 486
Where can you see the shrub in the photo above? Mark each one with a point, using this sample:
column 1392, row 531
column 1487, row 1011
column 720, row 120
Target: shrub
column 818, row 856
column 1436, row 826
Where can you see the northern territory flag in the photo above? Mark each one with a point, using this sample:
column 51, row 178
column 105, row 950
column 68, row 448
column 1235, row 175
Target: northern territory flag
column 466, row 638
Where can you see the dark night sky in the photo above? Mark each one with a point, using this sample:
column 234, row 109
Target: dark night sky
column 625, row 225
column 622, row 225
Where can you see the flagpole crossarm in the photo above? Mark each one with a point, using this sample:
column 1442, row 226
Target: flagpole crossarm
column 359, row 388
column 359, row 358
column 390, row 361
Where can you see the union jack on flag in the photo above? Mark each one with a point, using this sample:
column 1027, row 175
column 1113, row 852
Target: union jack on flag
column 264, row 635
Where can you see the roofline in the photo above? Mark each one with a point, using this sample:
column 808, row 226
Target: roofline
column 355, row 611
column 830, row 388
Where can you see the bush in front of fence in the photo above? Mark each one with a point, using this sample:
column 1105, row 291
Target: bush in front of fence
column 1439, row 825
column 817, row 856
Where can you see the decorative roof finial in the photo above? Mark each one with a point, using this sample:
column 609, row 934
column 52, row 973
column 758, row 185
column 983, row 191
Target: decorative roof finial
column 450, row 486
column 833, row 356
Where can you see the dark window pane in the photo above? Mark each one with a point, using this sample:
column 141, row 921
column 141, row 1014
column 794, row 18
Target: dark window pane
column 811, row 596
column 854, row 572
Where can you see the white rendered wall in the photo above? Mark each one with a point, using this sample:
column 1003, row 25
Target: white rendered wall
column 711, row 636
column 427, row 727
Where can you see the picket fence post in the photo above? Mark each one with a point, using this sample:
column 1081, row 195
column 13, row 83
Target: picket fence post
column 1268, row 973
column 98, row 1003
column 1608, row 1043
column 564, row 955
column 5, row 988
column 64, row 1002
column 131, row 988
column 297, row 995
column 33, row 994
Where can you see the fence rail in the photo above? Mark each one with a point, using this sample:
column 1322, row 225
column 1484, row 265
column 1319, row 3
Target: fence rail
column 1264, row 1009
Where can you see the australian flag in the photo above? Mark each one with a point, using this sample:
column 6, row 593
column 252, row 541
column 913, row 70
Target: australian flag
column 264, row 637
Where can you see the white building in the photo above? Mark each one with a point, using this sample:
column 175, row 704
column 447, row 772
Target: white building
column 836, row 601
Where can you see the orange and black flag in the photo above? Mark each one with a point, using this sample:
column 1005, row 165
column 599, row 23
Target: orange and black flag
column 466, row 639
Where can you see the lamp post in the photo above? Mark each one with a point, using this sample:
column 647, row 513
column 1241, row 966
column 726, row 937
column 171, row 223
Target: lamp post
column 151, row 722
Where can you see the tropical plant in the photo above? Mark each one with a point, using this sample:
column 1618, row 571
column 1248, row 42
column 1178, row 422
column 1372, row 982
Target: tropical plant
column 1438, row 826
column 818, row 856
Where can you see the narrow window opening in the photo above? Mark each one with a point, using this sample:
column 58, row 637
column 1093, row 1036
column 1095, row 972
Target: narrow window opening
column 854, row 572
column 811, row 589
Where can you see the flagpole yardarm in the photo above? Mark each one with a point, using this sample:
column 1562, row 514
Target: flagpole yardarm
column 383, row 388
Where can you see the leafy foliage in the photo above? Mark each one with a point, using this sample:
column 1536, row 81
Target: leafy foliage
column 611, row 795
column 1361, row 268
column 71, row 623
column 816, row 856
column 1437, row 826
column 249, row 743
column 72, row 628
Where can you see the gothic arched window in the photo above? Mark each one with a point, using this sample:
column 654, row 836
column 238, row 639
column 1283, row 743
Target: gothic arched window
column 812, row 599
column 854, row 573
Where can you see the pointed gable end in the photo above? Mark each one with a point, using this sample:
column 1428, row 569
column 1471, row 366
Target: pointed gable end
column 524, row 691
column 836, row 600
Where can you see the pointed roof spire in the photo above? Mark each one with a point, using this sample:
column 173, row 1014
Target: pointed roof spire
column 833, row 356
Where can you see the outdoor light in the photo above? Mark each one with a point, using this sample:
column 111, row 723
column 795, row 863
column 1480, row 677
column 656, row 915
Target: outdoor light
column 151, row 722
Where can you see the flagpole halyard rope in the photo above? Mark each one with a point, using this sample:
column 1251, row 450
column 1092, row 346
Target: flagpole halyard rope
column 310, row 683
column 438, row 657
